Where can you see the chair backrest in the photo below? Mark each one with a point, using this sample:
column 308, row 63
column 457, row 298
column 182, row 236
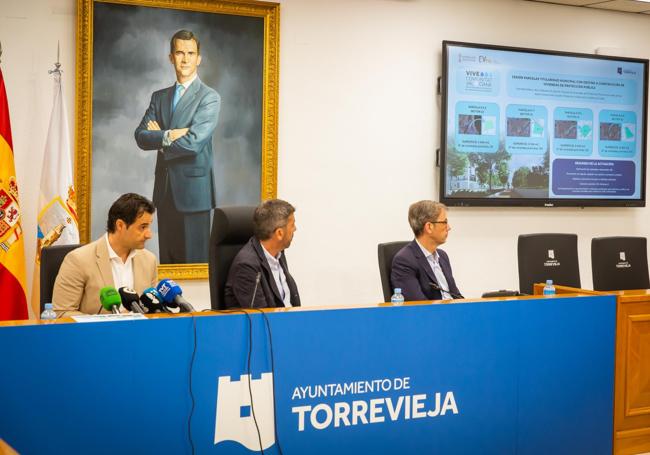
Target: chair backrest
column 544, row 257
column 231, row 229
column 385, row 253
column 619, row 263
column 51, row 260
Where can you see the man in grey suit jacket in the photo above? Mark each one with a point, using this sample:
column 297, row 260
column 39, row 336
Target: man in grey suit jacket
column 116, row 259
column 179, row 123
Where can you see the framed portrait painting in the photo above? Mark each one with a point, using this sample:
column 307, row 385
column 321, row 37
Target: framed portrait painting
column 176, row 100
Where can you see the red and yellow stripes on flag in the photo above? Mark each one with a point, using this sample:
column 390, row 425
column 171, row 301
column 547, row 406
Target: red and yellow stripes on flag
column 13, row 303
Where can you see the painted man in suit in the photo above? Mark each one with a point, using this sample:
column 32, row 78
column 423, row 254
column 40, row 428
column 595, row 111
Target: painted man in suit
column 179, row 123
column 117, row 259
column 421, row 269
column 273, row 225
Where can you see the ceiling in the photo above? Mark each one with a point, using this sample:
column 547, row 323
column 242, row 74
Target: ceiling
column 627, row 6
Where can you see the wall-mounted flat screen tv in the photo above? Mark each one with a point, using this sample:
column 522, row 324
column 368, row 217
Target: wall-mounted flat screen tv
column 526, row 127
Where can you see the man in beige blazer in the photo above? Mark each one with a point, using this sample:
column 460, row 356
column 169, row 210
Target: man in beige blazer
column 116, row 259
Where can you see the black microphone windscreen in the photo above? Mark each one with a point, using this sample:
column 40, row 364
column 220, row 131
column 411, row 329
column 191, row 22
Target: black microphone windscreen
column 130, row 299
column 151, row 300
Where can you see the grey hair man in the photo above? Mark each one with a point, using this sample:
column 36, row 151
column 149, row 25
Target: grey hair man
column 264, row 258
column 421, row 269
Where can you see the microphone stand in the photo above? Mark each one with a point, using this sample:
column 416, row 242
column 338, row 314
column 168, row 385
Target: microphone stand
column 257, row 282
column 453, row 295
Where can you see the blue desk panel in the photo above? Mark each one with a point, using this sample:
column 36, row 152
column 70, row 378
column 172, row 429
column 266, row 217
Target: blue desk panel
column 529, row 376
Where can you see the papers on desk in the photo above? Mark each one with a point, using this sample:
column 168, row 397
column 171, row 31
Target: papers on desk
column 108, row 317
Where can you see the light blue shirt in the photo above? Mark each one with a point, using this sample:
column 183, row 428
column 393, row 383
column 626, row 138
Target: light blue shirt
column 166, row 142
column 434, row 262
column 279, row 276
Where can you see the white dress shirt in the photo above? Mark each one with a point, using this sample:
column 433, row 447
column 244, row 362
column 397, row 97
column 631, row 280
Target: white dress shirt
column 279, row 276
column 122, row 271
column 434, row 262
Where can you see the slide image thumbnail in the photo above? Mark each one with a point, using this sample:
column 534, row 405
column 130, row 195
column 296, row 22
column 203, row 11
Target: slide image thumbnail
column 489, row 125
column 629, row 132
column 538, row 128
column 610, row 131
column 566, row 129
column 518, row 127
column 584, row 129
column 469, row 124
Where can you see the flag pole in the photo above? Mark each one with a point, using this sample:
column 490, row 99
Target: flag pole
column 57, row 65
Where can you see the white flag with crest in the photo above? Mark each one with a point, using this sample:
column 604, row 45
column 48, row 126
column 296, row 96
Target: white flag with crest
column 57, row 209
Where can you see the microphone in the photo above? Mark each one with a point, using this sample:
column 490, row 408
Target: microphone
column 110, row 299
column 130, row 300
column 172, row 296
column 453, row 295
column 151, row 300
column 257, row 283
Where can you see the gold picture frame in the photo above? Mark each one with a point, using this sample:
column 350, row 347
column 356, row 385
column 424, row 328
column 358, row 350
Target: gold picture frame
column 268, row 136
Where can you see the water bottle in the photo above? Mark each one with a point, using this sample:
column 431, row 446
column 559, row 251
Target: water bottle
column 397, row 298
column 48, row 314
column 549, row 289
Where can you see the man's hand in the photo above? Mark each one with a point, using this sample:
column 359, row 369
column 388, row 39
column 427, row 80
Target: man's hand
column 177, row 134
column 152, row 125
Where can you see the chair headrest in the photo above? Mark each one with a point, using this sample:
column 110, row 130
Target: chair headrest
column 232, row 225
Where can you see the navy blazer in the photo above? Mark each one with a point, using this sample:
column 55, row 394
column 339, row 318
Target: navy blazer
column 412, row 273
column 241, row 280
column 187, row 162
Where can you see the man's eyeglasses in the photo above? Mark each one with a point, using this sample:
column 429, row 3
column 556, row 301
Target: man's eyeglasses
column 439, row 222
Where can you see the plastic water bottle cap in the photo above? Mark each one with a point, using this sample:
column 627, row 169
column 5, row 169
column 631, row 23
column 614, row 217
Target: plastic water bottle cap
column 549, row 282
column 398, row 290
column 48, row 306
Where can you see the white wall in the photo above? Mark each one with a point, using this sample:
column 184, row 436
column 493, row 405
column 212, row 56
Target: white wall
column 359, row 125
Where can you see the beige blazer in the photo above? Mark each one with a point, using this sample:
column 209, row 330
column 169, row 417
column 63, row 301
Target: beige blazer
column 87, row 269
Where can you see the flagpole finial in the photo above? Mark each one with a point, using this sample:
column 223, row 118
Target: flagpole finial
column 57, row 65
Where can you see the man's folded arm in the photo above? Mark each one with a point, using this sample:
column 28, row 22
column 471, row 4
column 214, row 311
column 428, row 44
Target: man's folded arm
column 200, row 130
column 145, row 138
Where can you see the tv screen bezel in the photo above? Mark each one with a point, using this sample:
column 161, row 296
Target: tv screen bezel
column 535, row 202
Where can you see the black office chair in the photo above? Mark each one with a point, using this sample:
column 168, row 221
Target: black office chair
column 544, row 257
column 385, row 253
column 231, row 229
column 51, row 259
column 619, row 263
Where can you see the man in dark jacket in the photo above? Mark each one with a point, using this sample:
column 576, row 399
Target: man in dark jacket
column 421, row 269
column 263, row 258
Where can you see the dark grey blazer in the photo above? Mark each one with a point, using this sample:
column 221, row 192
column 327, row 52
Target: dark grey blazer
column 241, row 280
column 411, row 272
column 187, row 162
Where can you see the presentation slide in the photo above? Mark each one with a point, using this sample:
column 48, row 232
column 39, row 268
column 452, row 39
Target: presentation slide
column 526, row 124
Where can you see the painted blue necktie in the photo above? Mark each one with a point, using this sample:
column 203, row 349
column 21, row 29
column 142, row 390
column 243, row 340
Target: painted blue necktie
column 178, row 93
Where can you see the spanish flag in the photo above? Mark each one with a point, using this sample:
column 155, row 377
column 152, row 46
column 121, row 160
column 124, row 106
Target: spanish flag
column 13, row 296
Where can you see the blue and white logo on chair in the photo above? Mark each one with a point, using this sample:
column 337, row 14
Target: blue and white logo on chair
column 234, row 415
